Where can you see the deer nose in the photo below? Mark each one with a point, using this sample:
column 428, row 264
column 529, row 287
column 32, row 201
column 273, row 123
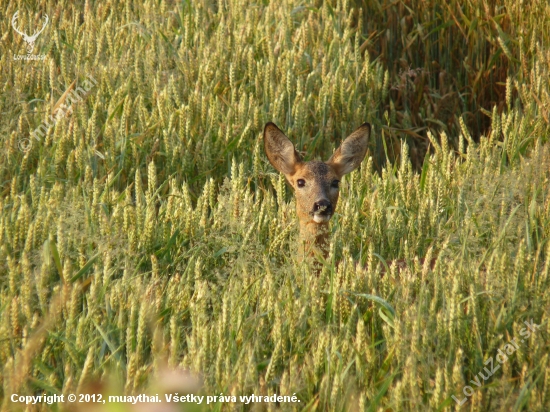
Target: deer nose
column 323, row 207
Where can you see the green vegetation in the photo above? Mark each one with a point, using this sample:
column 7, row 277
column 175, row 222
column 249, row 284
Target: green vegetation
column 147, row 230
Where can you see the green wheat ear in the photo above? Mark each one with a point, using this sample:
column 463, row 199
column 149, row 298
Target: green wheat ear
column 146, row 231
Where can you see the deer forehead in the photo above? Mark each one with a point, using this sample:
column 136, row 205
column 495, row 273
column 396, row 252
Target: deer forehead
column 319, row 172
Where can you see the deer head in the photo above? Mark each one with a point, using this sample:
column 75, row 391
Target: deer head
column 28, row 39
column 315, row 183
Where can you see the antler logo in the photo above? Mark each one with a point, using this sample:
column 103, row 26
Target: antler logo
column 28, row 39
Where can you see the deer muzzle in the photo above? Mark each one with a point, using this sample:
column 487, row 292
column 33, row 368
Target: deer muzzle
column 322, row 211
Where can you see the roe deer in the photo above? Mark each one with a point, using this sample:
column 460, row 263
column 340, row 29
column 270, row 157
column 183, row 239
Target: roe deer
column 316, row 184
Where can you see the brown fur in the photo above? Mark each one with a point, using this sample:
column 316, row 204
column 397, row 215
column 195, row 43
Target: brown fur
column 314, row 182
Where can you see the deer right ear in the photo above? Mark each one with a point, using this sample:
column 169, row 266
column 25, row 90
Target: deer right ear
column 352, row 151
column 279, row 150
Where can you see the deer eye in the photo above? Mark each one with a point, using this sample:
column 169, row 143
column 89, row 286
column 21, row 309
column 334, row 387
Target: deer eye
column 301, row 182
column 335, row 184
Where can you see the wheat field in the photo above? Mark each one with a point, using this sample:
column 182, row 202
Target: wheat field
column 147, row 246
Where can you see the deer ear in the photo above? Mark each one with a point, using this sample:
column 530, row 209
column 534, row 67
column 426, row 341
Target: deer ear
column 352, row 151
column 279, row 150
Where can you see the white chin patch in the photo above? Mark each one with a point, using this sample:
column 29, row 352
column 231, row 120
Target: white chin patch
column 321, row 218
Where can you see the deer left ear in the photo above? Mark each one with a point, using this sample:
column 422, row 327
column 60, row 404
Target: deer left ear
column 280, row 151
column 352, row 151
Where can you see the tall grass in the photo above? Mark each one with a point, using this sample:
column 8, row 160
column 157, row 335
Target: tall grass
column 147, row 229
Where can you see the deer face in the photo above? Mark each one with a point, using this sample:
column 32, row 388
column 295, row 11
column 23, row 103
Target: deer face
column 315, row 183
